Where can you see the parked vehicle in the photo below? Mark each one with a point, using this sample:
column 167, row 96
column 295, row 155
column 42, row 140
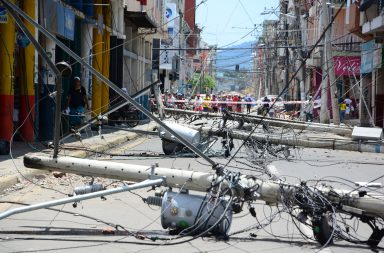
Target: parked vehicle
column 126, row 115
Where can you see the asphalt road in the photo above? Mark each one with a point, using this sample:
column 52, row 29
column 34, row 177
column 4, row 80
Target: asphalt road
column 87, row 227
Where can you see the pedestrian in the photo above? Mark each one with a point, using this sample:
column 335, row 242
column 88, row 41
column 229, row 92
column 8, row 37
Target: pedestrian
column 229, row 103
column 206, row 103
column 214, row 104
column 223, row 103
column 271, row 111
column 77, row 100
column 265, row 104
column 350, row 109
column 165, row 98
column 248, row 100
column 239, row 104
column 198, row 103
column 309, row 105
column 342, row 108
column 235, row 100
column 171, row 100
column 153, row 104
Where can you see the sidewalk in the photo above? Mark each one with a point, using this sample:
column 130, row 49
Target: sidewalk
column 13, row 171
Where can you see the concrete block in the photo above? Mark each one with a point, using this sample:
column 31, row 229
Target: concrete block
column 367, row 133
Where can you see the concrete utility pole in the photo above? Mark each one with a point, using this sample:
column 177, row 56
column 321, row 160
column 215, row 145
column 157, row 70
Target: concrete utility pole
column 329, row 68
column 324, row 113
column 286, row 64
column 300, row 59
column 267, row 190
column 309, row 142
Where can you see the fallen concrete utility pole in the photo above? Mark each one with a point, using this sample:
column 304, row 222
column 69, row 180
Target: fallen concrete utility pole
column 335, row 144
column 266, row 190
column 254, row 119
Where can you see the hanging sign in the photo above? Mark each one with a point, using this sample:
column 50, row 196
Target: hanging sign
column 3, row 15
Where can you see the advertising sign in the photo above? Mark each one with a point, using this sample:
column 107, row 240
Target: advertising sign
column 3, row 15
column 367, row 50
column 166, row 56
column 347, row 65
column 170, row 18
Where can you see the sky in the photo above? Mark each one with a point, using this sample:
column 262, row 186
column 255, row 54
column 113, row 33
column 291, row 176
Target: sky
column 231, row 22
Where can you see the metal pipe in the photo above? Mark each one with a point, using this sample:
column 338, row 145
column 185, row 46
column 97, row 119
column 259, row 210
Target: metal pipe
column 77, row 198
column 108, row 82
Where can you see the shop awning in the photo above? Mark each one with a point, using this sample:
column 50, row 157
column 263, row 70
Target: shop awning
column 365, row 4
column 141, row 19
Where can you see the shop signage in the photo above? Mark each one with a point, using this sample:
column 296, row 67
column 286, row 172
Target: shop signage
column 367, row 50
column 347, row 65
column 3, row 15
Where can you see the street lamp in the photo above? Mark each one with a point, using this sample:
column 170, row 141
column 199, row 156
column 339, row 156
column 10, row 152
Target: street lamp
column 65, row 70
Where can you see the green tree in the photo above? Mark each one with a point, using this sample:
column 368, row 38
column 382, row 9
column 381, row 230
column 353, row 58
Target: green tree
column 204, row 83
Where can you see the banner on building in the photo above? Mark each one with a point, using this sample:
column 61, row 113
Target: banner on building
column 59, row 19
column 3, row 15
column 367, row 50
column 166, row 56
column 347, row 65
column 170, row 18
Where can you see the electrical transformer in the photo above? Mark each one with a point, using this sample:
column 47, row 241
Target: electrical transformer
column 171, row 144
column 194, row 214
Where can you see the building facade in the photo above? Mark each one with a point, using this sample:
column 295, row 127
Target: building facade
column 119, row 38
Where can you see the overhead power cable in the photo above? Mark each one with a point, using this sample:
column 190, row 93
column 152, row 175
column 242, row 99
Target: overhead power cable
column 287, row 85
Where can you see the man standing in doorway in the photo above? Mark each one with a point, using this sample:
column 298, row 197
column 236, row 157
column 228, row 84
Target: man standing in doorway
column 77, row 100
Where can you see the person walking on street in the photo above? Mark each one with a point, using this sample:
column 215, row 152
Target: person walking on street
column 229, row 103
column 348, row 103
column 214, row 104
column 248, row 99
column 77, row 101
column 265, row 104
column 198, row 103
column 308, row 109
column 343, row 108
column 206, row 103
column 235, row 100
column 239, row 104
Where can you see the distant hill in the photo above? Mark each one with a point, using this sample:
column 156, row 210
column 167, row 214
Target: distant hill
column 227, row 59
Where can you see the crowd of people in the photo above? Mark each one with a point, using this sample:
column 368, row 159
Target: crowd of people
column 345, row 106
column 239, row 103
column 209, row 103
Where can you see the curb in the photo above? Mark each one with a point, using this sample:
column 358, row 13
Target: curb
column 109, row 141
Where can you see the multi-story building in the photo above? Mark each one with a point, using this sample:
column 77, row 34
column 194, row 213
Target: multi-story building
column 265, row 63
column 116, row 37
column 366, row 20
